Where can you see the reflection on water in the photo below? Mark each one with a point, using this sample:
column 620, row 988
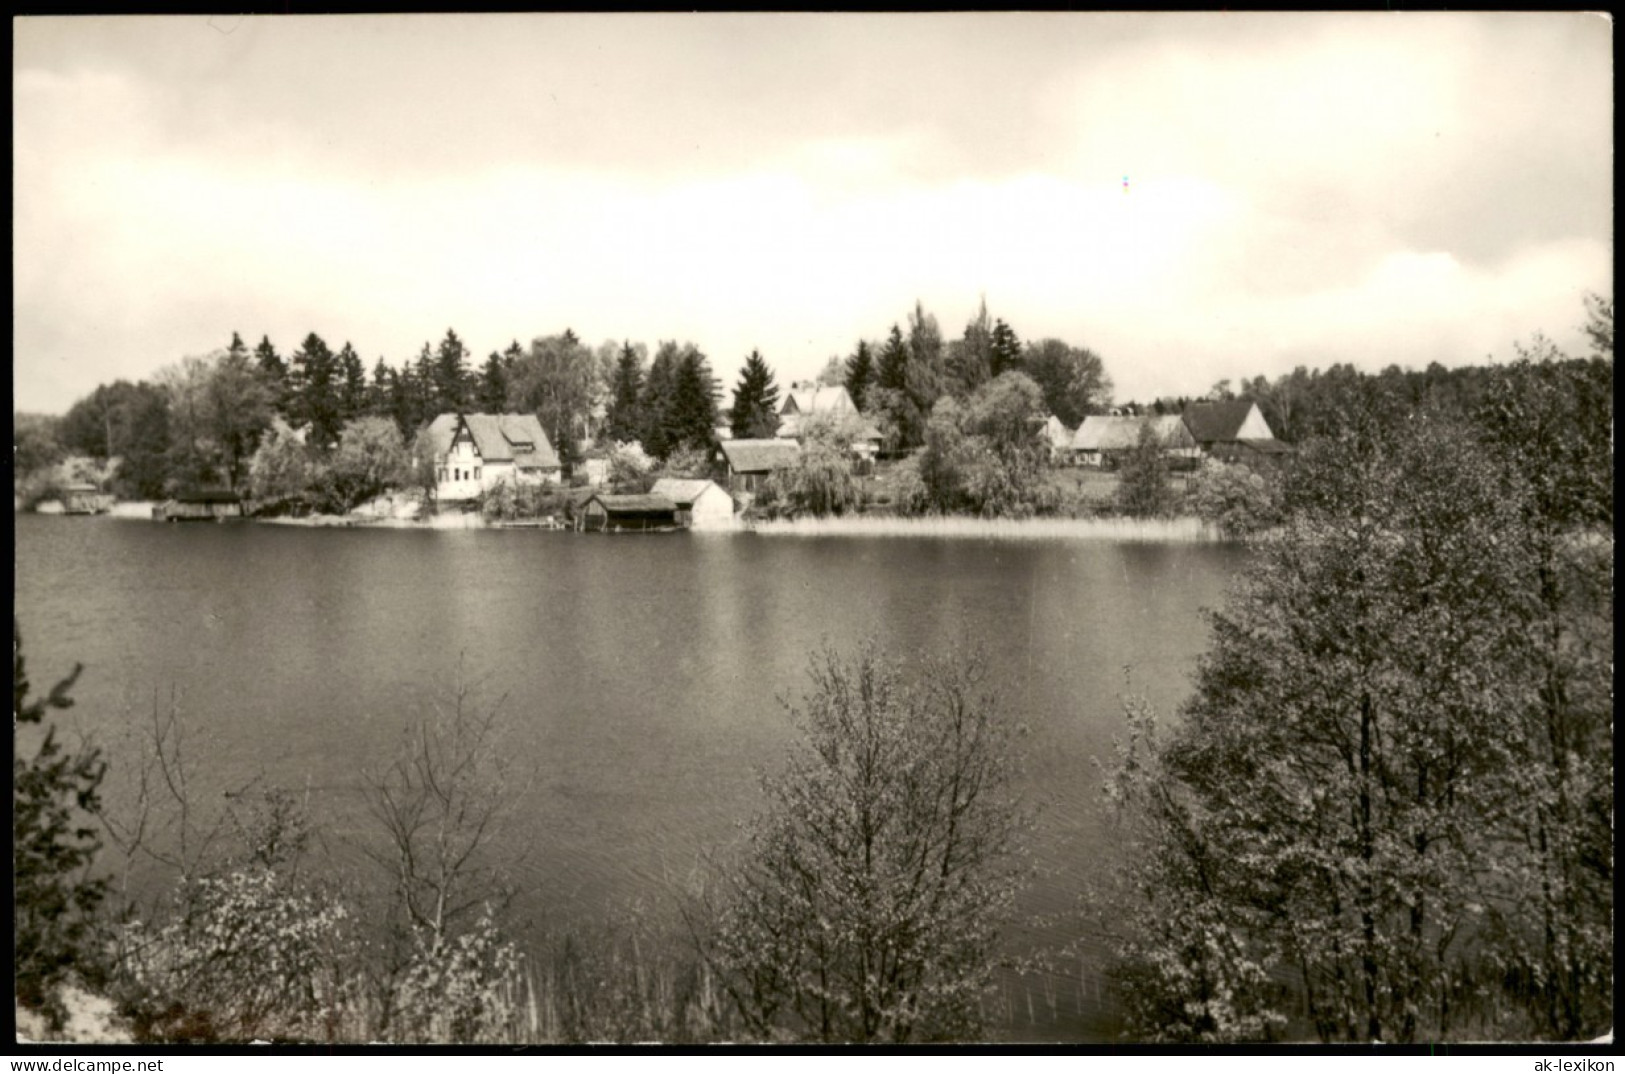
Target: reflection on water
column 642, row 675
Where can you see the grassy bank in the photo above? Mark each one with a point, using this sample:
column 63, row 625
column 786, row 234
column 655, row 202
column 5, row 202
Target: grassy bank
column 1184, row 528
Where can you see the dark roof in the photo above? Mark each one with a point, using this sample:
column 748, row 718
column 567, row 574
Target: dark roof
column 759, row 456
column 635, row 505
column 498, row 438
column 1268, row 447
column 1217, row 421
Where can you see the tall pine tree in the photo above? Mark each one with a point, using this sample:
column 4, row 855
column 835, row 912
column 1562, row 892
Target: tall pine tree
column 624, row 421
column 693, row 414
column 274, row 372
column 452, row 382
column 352, row 383
column 493, row 391
column 892, row 373
column 658, row 388
column 860, row 374
column 755, row 411
column 314, row 377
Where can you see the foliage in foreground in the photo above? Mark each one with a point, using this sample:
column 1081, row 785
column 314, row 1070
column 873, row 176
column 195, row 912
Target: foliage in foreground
column 1393, row 785
column 869, row 902
column 55, row 792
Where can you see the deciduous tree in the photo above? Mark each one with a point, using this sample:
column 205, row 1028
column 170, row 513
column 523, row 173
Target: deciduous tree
column 870, row 900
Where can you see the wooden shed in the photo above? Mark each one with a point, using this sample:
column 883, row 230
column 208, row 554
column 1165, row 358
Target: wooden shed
column 750, row 461
column 207, row 505
column 604, row 513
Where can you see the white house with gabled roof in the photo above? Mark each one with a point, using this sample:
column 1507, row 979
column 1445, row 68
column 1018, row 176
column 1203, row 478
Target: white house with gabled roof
column 473, row 452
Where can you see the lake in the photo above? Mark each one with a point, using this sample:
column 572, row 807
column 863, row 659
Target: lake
column 641, row 674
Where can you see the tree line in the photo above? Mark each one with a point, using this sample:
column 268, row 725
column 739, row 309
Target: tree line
column 199, row 422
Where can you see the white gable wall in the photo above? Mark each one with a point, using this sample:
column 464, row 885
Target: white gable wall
column 1255, row 427
column 713, row 508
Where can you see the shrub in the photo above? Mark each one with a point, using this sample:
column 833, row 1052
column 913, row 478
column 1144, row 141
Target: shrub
column 457, row 990
column 250, row 954
column 1233, row 497
column 54, row 793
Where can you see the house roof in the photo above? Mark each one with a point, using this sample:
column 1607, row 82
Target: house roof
column 1103, row 432
column 1217, row 421
column 816, row 399
column 635, row 505
column 498, row 437
column 684, row 491
column 759, row 456
column 1267, row 447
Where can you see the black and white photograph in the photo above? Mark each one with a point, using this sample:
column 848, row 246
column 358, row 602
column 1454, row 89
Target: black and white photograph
column 1089, row 531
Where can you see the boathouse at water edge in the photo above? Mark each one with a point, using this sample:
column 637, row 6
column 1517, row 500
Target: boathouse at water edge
column 701, row 504
column 604, row 513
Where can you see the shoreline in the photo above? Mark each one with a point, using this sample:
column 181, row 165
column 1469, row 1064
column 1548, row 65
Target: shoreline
column 1186, row 529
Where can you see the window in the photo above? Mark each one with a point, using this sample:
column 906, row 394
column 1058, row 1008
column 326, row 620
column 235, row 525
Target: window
column 476, row 473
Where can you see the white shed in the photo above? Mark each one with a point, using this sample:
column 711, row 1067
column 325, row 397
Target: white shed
column 701, row 504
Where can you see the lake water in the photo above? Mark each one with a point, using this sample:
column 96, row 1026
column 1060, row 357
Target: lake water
column 642, row 674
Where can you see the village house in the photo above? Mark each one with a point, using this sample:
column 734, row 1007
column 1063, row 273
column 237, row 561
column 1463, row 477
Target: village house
column 473, row 452
column 701, row 504
column 750, row 461
column 1103, row 439
column 1233, row 430
column 808, row 400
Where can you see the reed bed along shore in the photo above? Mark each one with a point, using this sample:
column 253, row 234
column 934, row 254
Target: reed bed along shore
column 1182, row 529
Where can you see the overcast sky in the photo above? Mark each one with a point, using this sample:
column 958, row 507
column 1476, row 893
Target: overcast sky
column 1191, row 196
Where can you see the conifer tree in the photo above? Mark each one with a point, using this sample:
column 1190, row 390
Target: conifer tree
column 1005, row 349
column 274, row 371
column 315, row 382
column 860, row 374
column 624, row 422
column 755, row 411
column 693, row 414
column 493, row 390
column 352, row 383
column 656, row 402
column 892, row 373
column 451, row 376
column 381, row 391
